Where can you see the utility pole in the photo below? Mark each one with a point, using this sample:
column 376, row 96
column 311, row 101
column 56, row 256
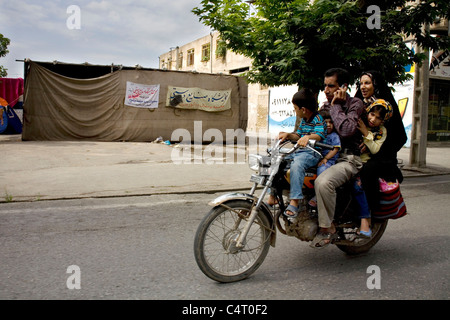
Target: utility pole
column 211, row 50
column 418, row 150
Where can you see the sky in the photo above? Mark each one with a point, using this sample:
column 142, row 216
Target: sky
column 123, row 32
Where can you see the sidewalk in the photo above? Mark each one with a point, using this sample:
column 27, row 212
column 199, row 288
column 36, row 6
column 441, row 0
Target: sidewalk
column 44, row 170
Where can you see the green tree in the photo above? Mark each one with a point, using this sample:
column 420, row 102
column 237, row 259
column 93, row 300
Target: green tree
column 295, row 41
column 4, row 43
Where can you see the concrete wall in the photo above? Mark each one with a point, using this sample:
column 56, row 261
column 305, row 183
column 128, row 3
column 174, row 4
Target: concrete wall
column 58, row 107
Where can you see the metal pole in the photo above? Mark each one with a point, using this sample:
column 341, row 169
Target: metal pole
column 418, row 151
column 211, row 51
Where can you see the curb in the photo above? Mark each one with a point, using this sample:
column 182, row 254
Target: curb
column 213, row 191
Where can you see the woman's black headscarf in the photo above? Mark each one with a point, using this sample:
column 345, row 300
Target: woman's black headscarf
column 396, row 134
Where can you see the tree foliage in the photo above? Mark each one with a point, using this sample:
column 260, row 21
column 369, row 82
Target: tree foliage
column 4, row 43
column 295, row 41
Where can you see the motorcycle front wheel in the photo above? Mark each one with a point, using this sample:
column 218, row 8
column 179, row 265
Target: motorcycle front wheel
column 214, row 246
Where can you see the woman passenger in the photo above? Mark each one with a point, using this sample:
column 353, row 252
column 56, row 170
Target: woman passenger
column 372, row 87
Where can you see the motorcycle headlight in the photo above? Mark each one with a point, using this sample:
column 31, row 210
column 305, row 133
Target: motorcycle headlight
column 259, row 163
column 254, row 161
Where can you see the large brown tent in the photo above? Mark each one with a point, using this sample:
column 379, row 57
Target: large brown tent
column 72, row 102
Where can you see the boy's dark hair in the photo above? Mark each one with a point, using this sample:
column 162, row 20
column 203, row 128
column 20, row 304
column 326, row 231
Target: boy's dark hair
column 342, row 75
column 325, row 114
column 305, row 98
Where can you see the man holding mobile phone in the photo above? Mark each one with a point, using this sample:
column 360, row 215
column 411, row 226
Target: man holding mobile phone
column 345, row 112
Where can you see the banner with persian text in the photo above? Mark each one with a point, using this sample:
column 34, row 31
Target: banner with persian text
column 281, row 110
column 200, row 99
column 142, row 95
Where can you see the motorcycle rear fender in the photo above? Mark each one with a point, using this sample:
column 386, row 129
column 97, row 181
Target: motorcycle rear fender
column 223, row 199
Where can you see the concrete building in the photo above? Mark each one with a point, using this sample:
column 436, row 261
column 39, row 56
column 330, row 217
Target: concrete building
column 208, row 55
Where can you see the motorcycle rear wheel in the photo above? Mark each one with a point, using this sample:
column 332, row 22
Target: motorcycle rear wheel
column 362, row 246
column 214, row 249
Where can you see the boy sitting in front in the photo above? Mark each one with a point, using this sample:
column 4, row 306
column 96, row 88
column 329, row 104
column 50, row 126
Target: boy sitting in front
column 313, row 127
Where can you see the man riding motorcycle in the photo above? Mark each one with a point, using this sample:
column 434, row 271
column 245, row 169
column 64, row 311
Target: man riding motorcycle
column 345, row 112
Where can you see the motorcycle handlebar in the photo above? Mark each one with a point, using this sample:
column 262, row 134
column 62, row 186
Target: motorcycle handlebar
column 311, row 143
column 321, row 145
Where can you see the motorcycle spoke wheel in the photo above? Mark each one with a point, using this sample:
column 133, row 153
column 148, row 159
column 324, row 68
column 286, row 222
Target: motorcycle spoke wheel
column 215, row 247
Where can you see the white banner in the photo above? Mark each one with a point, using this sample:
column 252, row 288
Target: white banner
column 142, row 95
column 281, row 110
column 197, row 98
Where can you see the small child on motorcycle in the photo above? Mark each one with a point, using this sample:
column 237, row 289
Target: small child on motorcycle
column 374, row 135
column 329, row 156
column 312, row 126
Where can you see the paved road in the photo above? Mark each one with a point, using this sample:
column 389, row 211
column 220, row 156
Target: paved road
column 141, row 248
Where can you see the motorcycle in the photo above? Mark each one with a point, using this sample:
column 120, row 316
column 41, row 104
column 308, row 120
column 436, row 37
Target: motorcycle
column 233, row 239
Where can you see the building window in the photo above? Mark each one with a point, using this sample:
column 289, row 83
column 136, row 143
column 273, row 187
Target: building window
column 206, row 52
column 439, row 111
column 180, row 60
column 239, row 70
column 221, row 49
column 190, row 57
